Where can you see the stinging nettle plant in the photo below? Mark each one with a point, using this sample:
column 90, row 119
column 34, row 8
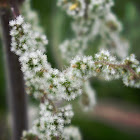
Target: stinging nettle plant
column 91, row 18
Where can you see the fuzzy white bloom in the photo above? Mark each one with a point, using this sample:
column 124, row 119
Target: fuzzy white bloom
column 28, row 39
column 51, row 124
column 71, row 132
column 71, row 48
column 73, row 8
column 72, row 87
column 19, row 20
column 12, row 23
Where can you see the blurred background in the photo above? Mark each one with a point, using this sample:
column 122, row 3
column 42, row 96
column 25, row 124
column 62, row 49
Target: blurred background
column 117, row 113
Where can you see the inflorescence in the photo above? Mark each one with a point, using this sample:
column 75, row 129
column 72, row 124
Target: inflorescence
column 92, row 19
column 48, row 85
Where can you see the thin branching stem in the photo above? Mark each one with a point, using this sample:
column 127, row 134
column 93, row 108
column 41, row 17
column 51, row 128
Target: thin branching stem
column 124, row 66
column 45, row 97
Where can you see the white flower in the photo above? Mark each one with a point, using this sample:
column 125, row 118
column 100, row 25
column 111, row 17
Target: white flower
column 19, row 20
column 12, row 23
column 83, row 66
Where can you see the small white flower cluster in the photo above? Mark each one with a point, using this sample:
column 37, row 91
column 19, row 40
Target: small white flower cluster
column 82, row 67
column 51, row 124
column 109, row 29
column 108, row 68
column 73, row 8
column 100, row 7
column 105, row 70
column 83, row 28
column 71, row 133
column 33, row 65
column 66, row 113
column 62, row 85
column 23, row 38
column 97, row 21
column 86, row 67
column 77, row 8
column 71, row 87
column 132, row 78
column 69, row 48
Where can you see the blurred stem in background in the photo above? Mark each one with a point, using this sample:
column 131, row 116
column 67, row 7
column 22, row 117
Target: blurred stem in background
column 16, row 92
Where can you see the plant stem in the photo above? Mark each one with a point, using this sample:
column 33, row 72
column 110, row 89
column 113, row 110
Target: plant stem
column 124, row 66
column 17, row 99
column 86, row 9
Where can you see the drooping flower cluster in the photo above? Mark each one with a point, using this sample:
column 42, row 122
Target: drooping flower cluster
column 132, row 77
column 48, row 84
column 96, row 20
column 51, row 124
column 69, row 48
column 107, row 67
column 71, row 132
